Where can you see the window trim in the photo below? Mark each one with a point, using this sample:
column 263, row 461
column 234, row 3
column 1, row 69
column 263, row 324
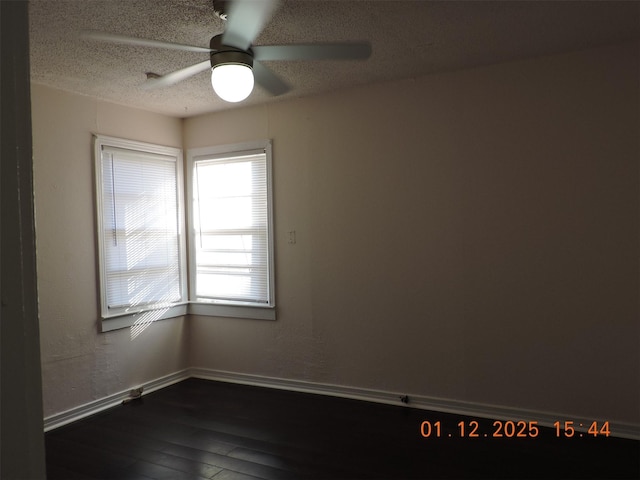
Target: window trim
column 126, row 318
column 186, row 239
column 215, row 307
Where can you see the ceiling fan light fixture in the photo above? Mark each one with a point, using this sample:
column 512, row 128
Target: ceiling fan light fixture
column 231, row 71
column 232, row 82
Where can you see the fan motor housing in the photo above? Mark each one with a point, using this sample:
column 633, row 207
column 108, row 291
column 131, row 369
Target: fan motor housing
column 224, row 54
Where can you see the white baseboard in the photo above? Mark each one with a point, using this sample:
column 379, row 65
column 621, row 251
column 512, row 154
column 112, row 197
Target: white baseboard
column 96, row 406
column 479, row 410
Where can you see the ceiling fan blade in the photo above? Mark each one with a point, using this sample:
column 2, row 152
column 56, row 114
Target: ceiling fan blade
column 319, row 51
column 141, row 42
column 269, row 80
column 177, row 76
column 245, row 21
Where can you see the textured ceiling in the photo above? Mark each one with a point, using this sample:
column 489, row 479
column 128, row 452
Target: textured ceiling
column 408, row 38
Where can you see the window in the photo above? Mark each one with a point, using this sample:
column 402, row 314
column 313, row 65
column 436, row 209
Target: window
column 142, row 249
column 139, row 212
column 231, row 229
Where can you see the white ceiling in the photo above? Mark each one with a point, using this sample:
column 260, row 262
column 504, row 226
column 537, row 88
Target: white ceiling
column 408, row 38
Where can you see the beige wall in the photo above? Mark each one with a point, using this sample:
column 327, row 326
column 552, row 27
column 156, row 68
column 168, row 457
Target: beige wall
column 470, row 235
column 79, row 364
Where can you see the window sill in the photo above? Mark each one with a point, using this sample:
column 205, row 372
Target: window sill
column 142, row 318
column 192, row 308
column 234, row 311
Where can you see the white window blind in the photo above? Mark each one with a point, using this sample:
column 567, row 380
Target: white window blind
column 231, row 226
column 139, row 211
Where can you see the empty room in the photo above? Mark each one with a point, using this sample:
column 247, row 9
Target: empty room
column 402, row 241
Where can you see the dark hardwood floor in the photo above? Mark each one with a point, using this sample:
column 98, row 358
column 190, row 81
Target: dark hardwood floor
column 202, row 429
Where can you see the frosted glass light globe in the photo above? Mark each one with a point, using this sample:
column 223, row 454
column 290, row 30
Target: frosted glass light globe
column 232, row 82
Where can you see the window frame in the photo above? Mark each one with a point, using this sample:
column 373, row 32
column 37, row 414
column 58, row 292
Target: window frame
column 220, row 307
column 188, row 304
column 124, row 317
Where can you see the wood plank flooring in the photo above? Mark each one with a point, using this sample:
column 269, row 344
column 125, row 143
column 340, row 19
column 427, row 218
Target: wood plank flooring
column 199, row 429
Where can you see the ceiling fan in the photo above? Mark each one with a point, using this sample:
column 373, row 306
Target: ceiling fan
column 233, row 60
